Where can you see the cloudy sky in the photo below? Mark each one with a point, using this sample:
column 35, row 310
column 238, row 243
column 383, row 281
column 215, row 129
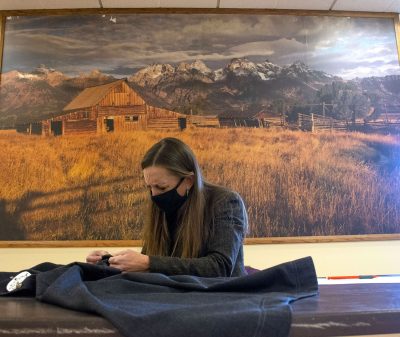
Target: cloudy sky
column 122, row 44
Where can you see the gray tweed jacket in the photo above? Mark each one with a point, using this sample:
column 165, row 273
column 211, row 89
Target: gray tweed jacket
column 222, row 254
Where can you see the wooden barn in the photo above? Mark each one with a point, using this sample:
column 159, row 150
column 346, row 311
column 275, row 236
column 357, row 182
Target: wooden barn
column 111, row 107
column 116, row 107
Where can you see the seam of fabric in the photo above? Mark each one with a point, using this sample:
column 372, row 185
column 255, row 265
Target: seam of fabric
column 261, row 319
column 297, row 277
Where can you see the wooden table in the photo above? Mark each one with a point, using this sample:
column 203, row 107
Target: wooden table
column 348, row 310
column 339, row 310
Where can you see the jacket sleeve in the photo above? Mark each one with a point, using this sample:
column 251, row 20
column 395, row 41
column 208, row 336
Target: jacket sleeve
column 222, row 249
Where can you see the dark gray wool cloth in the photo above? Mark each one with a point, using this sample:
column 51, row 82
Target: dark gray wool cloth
column 157, row 305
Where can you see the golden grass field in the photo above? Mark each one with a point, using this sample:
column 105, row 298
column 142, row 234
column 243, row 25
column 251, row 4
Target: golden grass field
column 293, row 183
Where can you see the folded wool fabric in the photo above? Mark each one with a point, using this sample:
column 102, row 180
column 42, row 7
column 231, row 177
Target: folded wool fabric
column 150, row 304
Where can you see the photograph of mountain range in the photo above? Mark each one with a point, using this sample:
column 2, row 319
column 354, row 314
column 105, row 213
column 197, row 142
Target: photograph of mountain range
column 310, row 105
column 200, row 64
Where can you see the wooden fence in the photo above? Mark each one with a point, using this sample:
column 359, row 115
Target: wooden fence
column 239, row 122
column 314, row 122
column 274, row 121
column 203, row 121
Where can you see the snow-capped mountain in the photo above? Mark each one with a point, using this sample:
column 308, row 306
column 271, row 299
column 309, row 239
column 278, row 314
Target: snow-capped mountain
column 241, row 67
column 85, row 80
column 41, row 93
column 236, row 68
column 197, row 66
column 299, row 70
column 152, row 75
column 51, row 76
column 158, row 73
column 268, row 70
column 189, row 85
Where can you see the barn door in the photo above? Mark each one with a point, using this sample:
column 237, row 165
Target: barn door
column 182, row 123
column 56, row 128
column 109, row 124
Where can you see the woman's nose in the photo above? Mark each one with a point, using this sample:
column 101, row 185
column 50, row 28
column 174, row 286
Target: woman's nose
column 154, row 192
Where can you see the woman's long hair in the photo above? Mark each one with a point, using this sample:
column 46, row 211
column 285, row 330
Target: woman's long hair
column 175, row 156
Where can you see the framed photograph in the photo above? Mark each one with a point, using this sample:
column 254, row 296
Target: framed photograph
column 302, row 119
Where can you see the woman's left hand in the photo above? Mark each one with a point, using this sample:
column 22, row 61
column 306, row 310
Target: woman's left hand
column 129, row 260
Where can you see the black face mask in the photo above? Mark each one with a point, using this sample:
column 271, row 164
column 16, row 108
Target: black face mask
column 170, row 201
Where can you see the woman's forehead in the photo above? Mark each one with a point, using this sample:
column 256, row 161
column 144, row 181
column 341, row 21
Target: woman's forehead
column 157, row 174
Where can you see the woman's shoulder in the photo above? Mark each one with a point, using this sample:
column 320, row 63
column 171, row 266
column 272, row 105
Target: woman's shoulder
column 225, row 203
column 217, row 194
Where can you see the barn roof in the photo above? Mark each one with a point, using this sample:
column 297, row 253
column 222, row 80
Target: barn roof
column 91, row 96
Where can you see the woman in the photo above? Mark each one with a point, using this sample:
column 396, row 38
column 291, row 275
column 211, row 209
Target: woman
column 192, row 227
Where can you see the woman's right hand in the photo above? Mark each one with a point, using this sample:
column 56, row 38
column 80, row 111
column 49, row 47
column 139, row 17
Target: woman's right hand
column 95, row 256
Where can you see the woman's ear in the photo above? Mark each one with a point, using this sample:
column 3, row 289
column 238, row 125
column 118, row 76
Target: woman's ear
column 190, row 180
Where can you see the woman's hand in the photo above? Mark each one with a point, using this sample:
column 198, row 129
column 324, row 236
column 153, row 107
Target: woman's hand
column 95, row 256
column 129, row 260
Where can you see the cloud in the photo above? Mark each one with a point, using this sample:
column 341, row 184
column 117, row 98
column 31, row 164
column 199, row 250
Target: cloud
column 275, row 50
column 338, row 45
column 368, row 71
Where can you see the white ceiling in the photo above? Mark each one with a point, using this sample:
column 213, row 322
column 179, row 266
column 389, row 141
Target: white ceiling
column 336, row 5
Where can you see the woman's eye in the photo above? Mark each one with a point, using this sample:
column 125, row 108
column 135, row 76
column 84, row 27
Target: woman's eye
column 157, row 188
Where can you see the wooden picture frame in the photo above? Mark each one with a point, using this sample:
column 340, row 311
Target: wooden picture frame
column 81, row 112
